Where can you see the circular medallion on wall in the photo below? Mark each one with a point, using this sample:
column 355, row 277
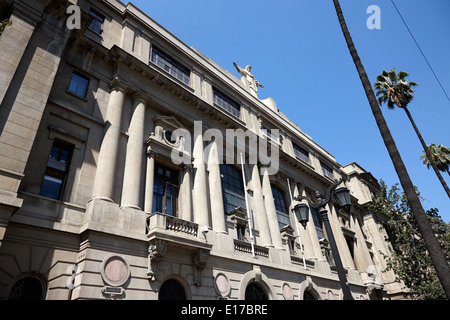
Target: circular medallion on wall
column 287, row 292
column 115, row 271
column 222, row 285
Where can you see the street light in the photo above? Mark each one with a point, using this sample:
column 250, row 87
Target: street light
column 301, row 212
column 342, row 196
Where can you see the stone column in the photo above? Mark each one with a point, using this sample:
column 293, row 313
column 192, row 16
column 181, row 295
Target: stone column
column 362, row 254
column 106, row 165
column 312, row 233
column 200, row 192
column 215, row 190
column 132, row 180
column 270, row 209
column 344, row 251
column 186, row 195
column 259, row 210
column 149, row 180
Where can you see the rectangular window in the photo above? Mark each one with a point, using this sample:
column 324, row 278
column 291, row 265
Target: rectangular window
column 327, row 171
column 226, row 103
column 281, row 207
column 78, row 85
column 97, row 21
column 301, row 153
column 232, row 188
column 57, row 170
column 170, row 66
column 317, row 223
column 165, row 191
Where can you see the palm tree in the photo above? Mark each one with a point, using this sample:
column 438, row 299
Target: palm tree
column 396, row 91
column 440, row 156
column 436, row 253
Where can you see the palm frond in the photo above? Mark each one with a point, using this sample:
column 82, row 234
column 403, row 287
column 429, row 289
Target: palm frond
column 390, row 104
column 392, row 75
column 381, row 78
column 402, row 75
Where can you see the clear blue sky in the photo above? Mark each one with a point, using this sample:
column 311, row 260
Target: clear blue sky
column 297, row 51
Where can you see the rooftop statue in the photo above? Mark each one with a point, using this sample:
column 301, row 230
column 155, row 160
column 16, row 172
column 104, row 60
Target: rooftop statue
column 248, row 79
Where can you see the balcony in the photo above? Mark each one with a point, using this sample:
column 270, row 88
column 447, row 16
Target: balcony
column 165, row 233
column 246, row 247
column 175, row 231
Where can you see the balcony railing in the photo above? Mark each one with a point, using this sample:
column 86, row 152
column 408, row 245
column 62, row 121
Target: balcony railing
column 246, row 247
column 160, row 220
column 182, row 226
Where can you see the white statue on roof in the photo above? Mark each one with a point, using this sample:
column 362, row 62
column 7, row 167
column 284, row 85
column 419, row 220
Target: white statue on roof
column 248, row 79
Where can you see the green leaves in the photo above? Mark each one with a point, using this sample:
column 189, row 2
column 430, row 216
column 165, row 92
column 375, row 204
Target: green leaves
column 4, row 24
column 394, row 89
column 440, row 155
column 409, row 257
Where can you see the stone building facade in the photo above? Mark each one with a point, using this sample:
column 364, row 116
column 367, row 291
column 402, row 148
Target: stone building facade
column 93, row 204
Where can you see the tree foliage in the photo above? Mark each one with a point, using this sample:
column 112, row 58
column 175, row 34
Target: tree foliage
column 440, row 155
column 409, row 257
column 394, row 89
column 4, row 24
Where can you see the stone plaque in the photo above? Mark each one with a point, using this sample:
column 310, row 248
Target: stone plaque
column 222, row 285
column 115, row 271
column 287, row 292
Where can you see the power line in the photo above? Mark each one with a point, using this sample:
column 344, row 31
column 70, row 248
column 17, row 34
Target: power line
column 429, row 65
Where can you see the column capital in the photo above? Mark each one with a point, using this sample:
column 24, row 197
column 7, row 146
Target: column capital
column 151, row 153
column 117, row 84
column 139, row 97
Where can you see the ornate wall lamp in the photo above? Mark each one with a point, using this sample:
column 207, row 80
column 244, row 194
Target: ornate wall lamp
column 301, row 211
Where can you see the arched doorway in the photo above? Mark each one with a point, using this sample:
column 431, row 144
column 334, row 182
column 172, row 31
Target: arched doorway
column 308, row 296
column 172, row 290
column 27, row 288
column 254, row 292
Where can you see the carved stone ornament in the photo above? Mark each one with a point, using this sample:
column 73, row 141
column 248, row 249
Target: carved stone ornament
column 238, row 216
column 200, row 259
column 156, row 251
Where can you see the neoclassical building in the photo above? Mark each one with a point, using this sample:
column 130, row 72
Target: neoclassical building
column 118, row 179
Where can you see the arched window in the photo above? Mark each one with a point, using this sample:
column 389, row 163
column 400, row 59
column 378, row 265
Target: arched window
column 172, row 290
column 27, row 288
column 255, row 292
column 281, row 207
column 232, row 188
